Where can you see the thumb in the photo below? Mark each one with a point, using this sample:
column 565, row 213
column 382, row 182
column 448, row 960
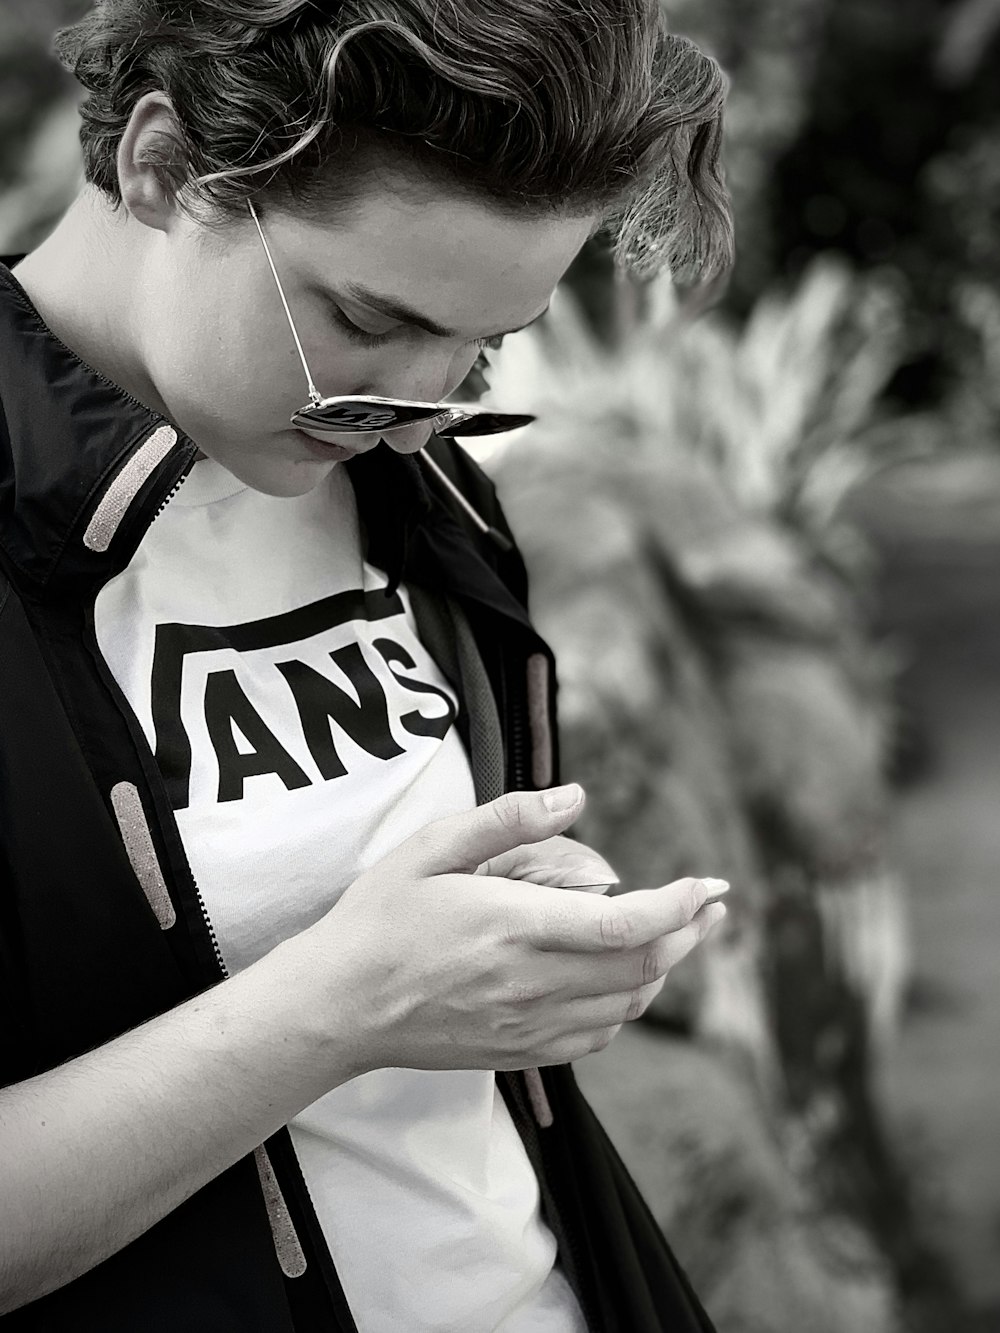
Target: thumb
column 459, row 843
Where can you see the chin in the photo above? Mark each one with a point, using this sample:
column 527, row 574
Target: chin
column 292, row 479
column 281, row 476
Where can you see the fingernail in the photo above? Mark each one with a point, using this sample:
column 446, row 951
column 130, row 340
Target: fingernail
column 563, row 798
column 716, row 886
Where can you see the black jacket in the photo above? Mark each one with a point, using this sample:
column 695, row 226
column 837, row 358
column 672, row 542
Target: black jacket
column 86, row 952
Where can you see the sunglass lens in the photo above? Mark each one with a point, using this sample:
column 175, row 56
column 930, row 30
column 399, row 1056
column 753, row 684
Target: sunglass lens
column 346, row 416
column 487, row 423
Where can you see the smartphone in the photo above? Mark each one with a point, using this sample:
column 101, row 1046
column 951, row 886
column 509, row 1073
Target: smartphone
column 718, row 891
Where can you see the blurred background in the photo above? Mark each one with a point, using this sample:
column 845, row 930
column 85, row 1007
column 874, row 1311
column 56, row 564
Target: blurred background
column 764, row 541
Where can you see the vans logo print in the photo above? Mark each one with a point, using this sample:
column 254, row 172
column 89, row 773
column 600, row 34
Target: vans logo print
column 312, row 706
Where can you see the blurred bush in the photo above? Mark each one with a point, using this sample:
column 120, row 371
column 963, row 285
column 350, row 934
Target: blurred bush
column 678, row 503
column 40, row 159
column 897, row 165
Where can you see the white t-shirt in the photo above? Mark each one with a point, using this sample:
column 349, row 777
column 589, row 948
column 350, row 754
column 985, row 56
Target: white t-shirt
column 304, row 731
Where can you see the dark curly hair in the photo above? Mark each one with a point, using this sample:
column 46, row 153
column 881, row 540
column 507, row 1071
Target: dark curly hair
column 541, row 106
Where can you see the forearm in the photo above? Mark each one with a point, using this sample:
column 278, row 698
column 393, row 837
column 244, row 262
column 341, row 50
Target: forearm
column 98, row 1150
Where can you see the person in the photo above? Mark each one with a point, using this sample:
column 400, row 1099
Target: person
column 296, row 948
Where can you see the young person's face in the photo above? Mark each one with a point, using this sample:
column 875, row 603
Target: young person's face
column 219, row 352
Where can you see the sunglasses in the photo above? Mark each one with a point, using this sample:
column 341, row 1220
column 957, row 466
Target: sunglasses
column 346, row 414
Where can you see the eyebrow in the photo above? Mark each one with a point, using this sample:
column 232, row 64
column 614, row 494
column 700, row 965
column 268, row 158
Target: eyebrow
column 396, row 309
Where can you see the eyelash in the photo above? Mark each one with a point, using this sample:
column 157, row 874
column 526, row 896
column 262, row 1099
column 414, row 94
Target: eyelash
column 374, row 340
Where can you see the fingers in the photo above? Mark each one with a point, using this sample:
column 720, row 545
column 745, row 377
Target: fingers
column 591, row 1020
column 459, row 843
column 650, row 964
column 581, row 922
column 560, row 862
column 591, row 1023
column 577, row 975
column 597, row 1013
column 568, row 863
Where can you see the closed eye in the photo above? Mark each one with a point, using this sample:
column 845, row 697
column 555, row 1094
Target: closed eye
column 357, row 334
column 368, row 339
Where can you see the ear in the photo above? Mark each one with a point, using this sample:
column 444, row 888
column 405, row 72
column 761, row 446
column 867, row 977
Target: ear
column 151, row 159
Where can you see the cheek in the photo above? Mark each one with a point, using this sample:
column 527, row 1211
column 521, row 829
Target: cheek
column 215, row 327
column 236, row 343
column 231, row 371
column 219, row 386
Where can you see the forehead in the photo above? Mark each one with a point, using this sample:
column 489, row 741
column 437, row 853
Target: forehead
column 456, row 259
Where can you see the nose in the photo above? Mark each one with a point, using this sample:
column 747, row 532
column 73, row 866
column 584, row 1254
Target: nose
column 433, row 385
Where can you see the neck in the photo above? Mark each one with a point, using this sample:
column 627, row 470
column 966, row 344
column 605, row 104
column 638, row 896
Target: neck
column 82, row 280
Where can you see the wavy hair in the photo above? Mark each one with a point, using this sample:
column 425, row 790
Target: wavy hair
column 540, row 106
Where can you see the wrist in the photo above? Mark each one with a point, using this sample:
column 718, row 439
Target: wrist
column 321, row 1010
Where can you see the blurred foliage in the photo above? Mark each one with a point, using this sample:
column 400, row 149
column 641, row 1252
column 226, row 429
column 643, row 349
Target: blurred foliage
column 679, row 504
column 770, row 50
column 40, row 159
column 873, row 130
column 30, row 79
column 898, row 165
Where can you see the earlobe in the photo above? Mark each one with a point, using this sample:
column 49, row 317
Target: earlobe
column 150, row 161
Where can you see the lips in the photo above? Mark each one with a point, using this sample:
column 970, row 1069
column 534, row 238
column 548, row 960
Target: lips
column 357, row 443
column 332, row 445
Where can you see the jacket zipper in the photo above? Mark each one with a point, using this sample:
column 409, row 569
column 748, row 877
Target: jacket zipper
column 13, row 284
column 149, row 768
column 519, row 742
column 153, row 780
column 150, row 771
column 167, row 498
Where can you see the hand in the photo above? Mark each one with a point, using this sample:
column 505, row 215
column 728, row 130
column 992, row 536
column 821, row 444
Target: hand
column 559, row 862
column 439, row 967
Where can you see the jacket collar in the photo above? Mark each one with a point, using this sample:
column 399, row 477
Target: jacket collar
column 85, row 468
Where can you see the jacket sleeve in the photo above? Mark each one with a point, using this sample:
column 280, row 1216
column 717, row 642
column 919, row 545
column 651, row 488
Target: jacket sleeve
column 16, row 1062
column 633, row 1277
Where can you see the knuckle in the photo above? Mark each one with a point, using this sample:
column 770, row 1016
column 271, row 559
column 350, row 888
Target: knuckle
column 690, row 898
column 703, row 923
column 635, row 1006
column 508, row 814
column 563, row 1052
column 523, row 993
column 602, row 1039
column 617, row 930
column 653, row 964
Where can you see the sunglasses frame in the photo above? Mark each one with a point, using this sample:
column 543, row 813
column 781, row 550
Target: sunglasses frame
column 453, row 416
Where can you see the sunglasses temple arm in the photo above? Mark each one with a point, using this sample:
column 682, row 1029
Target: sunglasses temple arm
column 314, row 393
column 494, row 534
